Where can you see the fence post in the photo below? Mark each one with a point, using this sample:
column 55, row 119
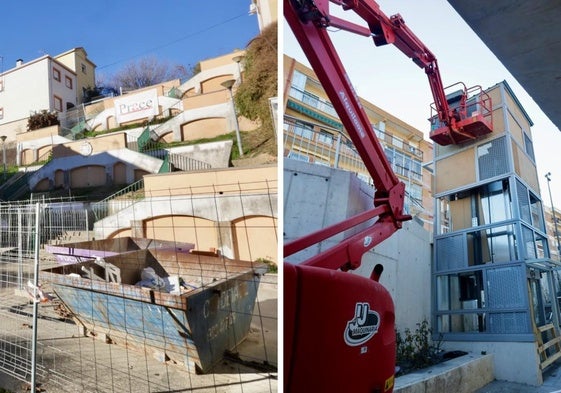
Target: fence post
column 35, row 302
column 20, row 249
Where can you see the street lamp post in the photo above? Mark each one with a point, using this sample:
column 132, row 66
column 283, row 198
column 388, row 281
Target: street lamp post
column 3, row 138
column 228, row 85
column 238, row 59
column 547, row 176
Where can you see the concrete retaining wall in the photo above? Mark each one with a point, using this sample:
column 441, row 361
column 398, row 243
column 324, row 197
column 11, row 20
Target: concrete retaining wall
column 465, row 374
column 513, row 361
column 316, row 196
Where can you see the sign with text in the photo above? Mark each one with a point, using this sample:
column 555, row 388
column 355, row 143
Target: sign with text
column 136, row 106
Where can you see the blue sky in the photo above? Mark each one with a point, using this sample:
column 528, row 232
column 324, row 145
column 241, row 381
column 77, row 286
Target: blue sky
column 390, row 80
column 114, row 33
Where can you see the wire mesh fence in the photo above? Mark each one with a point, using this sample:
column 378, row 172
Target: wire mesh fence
column 175, row 292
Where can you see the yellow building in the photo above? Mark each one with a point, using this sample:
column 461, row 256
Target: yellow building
column 314, row 133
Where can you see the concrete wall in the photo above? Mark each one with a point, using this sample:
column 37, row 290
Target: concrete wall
column 232, row 210
column 220, row 182
column 216, row 154
column 317, row 196
column 134, row 162
column 513, row 361
column 465, row 374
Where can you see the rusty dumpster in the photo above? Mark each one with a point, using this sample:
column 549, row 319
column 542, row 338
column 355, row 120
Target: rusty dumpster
column 87, row 250
column 204, row 309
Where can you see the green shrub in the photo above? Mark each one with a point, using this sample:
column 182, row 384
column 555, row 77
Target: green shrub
column 416, row 349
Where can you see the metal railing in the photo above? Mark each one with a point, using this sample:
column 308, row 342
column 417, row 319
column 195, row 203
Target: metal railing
column 179, row 161
column 119, row 200
column 336, row 150
column 44, row 343
column 306, row 144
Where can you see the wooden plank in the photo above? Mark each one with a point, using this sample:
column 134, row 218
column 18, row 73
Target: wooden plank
column 550, row 360
column 546, row 327
column 550, row 343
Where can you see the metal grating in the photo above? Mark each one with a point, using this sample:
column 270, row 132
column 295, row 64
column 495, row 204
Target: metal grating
column 492, row 159
column 450, row 253
column 509, row 323
column 529, row 147
column 505, row 288
column 523, row 202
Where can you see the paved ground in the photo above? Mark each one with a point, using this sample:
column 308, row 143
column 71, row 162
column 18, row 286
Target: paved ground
column 552, row 384
column 71, row 362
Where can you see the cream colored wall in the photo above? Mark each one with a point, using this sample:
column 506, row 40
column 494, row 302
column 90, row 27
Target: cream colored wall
column 73, row 59
column 88, row 176
column 204, row 100
column 37, row 134
column 256, row 237
column 120, row 173
column 13, row 129
column 224, row 181
column 42, row 152
column 99, row 145
column 455, row 171
column 253, row 237
column 214, row 84
column 27, row 157
column 524, row 167
column 183, row 229
column 59, row 178
column 43, row 185
column 219, row 61
column 204, row 128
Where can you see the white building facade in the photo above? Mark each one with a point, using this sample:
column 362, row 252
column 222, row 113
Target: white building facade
column 42, row 84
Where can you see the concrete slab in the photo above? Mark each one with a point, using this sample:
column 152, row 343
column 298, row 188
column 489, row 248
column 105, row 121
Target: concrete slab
column 464, row 374
column 551, row 384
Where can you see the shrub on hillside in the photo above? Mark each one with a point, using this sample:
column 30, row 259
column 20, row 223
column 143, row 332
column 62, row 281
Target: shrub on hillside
column 42, row 119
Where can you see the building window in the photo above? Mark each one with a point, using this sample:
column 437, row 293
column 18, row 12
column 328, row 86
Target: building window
column 83, row 68
column 529, row 146
column 304, row 131
column 299, row 80
column 56, row 74
column 491, row 300
column 68, row 82
column 325, row 137
column 310, row 99
column 1, row 113
column 1, row 85
column 397, row 142
column 58, row 103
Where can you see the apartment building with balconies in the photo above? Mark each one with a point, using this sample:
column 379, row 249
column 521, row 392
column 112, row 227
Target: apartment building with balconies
column 314, row 133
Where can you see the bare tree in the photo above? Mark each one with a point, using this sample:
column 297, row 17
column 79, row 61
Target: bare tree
column 146, row 72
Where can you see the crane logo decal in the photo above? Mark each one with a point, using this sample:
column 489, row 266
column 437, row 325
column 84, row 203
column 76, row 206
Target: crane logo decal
column 363, row 326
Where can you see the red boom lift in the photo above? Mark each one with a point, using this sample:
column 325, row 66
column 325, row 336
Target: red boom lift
column 339, row 327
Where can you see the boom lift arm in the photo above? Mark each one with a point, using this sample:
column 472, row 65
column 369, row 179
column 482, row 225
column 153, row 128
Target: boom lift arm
column 320, row 300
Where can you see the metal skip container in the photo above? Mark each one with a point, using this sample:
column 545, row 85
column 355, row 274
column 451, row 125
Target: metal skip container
column 183, row 307
column 87, row 250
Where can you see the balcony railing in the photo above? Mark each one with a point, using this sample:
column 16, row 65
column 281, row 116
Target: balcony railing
column 304, row 143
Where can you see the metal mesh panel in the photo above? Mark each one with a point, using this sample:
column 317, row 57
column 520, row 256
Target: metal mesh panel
column 529, row 147
column 492, row 159
column 450, row 253
column 506, row 289
column 505, row 323
column 523, row 202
